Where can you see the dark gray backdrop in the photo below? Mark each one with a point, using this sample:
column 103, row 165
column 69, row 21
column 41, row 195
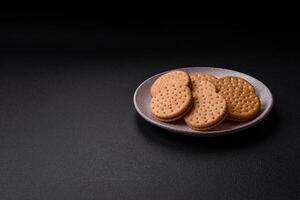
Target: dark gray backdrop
column 68, row 128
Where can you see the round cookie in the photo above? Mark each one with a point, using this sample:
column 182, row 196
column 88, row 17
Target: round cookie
column 208, row 111
column 233, row 83
column 207, row 77
column 242, row 102
column 200, row 86
column 171, row 102
column 175, row 77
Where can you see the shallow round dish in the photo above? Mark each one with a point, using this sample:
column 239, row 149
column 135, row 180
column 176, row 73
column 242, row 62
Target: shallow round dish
column 142, row 100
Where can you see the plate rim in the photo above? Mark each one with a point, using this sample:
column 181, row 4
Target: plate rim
column 212, row 133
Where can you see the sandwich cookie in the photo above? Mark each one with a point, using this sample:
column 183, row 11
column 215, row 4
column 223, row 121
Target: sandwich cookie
column 242, row 102
column 171, row 102
column 176, row 77
column 208, row 111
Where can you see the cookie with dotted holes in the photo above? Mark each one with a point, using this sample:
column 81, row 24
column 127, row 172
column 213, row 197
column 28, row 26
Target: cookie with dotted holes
column 233, row 83
column 206, row 77
column 242, row 102
column 200, row 86
column 176, row 77
column 208, row 111
column 171, row 102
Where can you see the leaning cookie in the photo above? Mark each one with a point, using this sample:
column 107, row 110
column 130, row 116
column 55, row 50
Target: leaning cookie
column 200, row 86
column 208, row 111
column 171, row 102
column 176, row 77
column 207, row 77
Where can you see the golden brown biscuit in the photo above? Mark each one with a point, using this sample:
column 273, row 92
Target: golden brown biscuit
column 241, row 105
column 176, row 77
column 233, row 83
column 171, row 102
column 206, row 77
column 208, row 111
column 200, row 85
column 242, row 102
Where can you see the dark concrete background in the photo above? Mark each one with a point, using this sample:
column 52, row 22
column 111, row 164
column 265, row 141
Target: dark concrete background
column 68, row 128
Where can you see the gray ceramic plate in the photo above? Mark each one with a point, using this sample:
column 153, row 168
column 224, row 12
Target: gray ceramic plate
column 142, row 100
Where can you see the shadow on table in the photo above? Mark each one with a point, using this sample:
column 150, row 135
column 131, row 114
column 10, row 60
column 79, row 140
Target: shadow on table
column 249, row 137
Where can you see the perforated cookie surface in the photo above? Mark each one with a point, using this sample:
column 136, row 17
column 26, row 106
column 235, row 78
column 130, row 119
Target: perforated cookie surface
column 200, row 86
column 241, row 105
column 170, row 102
column 176, row 77
column 208, row 111
column 233, row 83
column 242, row 102
column 207, row 77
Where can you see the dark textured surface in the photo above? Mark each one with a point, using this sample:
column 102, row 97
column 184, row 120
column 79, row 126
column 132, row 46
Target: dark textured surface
column 68, row 128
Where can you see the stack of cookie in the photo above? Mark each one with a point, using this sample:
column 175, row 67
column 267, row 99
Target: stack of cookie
column 202, row 100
